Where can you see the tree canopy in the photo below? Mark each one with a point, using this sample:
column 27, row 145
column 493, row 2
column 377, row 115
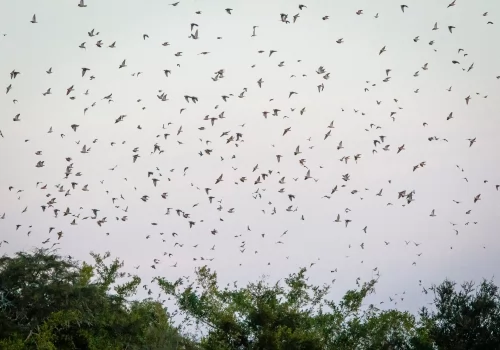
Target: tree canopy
column 52, row 302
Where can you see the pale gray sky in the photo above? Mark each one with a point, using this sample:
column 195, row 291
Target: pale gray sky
column 32, row 49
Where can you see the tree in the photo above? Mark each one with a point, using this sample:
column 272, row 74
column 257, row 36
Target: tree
column 51, row 302
column 468, row 318
column 294, row 316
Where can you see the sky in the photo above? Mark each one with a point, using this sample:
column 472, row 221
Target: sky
column 423, row 87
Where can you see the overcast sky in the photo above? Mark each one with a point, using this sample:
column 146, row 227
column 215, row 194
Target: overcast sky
column 453, row 171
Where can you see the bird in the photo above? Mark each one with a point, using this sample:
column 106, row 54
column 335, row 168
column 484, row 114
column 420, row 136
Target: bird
column 471, row 141
column 14, row 74
column 185, row 139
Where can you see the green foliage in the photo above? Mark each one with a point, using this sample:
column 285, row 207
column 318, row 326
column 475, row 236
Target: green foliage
column 297, row 315
column 51, row 302
column 293, row 316
column 465, row 319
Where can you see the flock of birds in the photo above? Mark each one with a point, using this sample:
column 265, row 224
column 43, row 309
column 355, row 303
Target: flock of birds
column 218, row 140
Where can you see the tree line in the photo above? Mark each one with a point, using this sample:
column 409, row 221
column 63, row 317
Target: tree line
column 49, row 301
